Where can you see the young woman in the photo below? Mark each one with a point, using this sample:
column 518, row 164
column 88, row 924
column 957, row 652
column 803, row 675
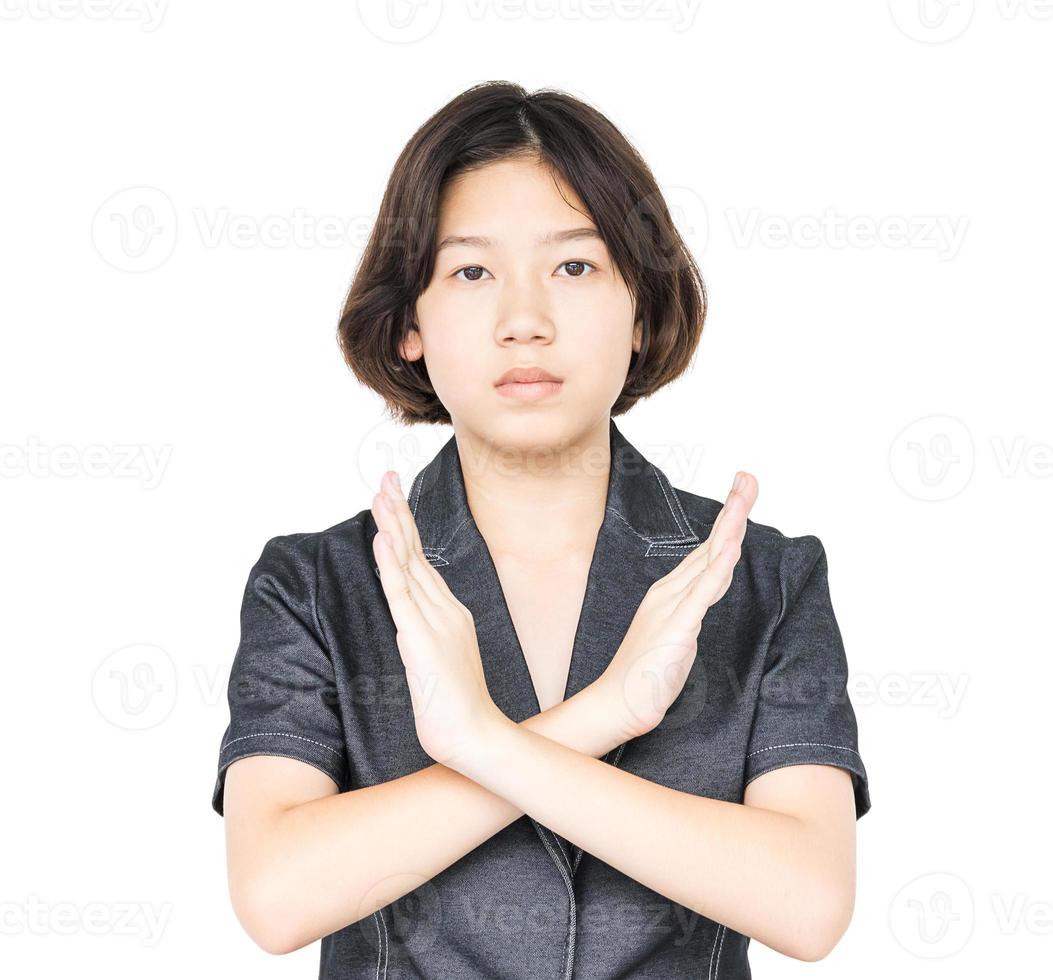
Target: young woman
column 546, row 715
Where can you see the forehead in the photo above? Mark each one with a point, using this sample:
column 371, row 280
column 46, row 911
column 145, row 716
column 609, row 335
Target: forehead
column 509, row 202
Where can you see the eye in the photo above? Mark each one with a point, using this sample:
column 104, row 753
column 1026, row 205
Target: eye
column 577, row 262
column 474, row 272
column 470, row 268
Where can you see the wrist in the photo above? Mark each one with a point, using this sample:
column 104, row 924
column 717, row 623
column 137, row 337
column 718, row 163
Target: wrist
column 488, row 747
column 610, row 705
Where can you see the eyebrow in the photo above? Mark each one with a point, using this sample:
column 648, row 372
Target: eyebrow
column 479, row 241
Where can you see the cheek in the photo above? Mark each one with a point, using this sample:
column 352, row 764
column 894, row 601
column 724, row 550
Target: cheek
column 445, row 338
column 452, row 352
column 607, row 328
column 606, row 301
column 435, row 322
column 447, row 320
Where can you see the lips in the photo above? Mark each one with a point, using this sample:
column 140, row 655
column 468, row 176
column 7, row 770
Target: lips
column 525, row 375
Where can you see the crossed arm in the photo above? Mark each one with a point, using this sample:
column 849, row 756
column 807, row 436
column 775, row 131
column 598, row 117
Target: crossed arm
column 305, row 860
column 779, row 867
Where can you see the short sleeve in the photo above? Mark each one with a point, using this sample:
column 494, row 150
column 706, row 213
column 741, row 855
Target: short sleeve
column 803, row 712
column 282, row 690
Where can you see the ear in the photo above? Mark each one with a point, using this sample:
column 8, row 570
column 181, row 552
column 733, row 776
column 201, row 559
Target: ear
column 638, row 335
column 411, row 347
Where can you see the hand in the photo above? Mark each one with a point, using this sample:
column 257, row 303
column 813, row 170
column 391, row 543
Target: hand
column 649, row 669
column 435, row 634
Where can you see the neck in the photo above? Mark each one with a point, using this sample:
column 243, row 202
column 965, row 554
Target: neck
column 537, row 502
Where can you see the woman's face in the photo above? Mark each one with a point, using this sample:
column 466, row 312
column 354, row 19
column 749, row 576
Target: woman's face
column 516, row 301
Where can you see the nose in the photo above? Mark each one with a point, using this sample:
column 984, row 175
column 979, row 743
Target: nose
column 523, row 315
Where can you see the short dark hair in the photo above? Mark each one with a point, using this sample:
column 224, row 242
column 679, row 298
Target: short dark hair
column 498, row 120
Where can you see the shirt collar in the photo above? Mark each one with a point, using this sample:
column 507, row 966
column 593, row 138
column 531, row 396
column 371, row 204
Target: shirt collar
column 638, row 494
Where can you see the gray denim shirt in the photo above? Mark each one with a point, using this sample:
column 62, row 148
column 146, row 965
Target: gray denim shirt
column 317, row 677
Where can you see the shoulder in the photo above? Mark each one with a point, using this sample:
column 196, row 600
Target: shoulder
column 337, row 552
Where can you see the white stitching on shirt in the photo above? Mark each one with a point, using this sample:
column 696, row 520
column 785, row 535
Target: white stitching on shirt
column 380, row 943
column 627, row 524
column 668, row 502
column 560, row 846
column 287, row 735
column 573, row 913
column 654, row 539
column 414, row 494
column 384, row 944
column 720, row 948
column 791, row 745
column 446, row 544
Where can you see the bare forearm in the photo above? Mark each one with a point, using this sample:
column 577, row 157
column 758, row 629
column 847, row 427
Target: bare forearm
column 760, row 872
column 338, row 858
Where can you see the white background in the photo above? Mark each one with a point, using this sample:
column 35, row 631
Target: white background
column 867, row 190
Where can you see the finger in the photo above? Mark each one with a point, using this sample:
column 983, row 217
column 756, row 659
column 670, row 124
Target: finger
column 710, row 586
column 722, row 517
column 732, row 515
column 730, row 524
column 397, row 589
column 404, row 512
column 689, row 568
column 387, row 521
column 734, row 530
column 729, row 536
column 746, row 495
column 408, row 544
column 686, row 580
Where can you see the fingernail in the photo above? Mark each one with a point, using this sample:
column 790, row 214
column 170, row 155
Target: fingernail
column 739, row 480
